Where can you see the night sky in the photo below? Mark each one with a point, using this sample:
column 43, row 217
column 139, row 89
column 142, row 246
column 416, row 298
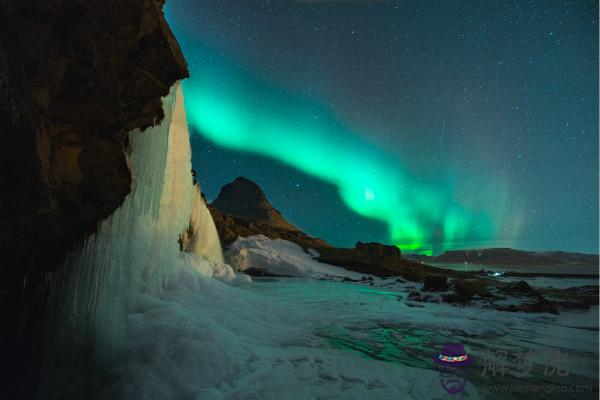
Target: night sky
column 429, row 125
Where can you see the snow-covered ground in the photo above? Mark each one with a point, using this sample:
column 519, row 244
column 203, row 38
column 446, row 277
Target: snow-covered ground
column 280, row 257
column 302, row 338
column 206, row 339
column 212, row 334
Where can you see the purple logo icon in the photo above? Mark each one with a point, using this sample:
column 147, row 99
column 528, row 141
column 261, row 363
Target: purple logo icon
column 452, row 360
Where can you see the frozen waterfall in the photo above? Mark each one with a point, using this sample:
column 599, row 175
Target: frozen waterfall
column 201, row 237
column 135, row 252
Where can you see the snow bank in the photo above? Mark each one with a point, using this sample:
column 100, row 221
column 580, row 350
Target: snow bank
column 280, row 257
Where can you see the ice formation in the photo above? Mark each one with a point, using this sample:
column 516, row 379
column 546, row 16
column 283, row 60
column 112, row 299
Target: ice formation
column 135, row 251
column 201, row 238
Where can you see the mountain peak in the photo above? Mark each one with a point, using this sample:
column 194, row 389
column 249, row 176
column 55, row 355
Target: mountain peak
column 244, row 198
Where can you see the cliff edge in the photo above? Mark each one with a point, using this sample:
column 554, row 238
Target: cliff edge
column 75, row 78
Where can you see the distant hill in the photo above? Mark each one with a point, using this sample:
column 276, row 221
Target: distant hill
column 242, row 209
column 244, row 198
column 507, row 256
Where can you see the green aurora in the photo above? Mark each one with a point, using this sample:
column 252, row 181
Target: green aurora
column 233, row 108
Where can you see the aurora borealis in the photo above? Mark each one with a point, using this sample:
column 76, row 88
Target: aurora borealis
column 437, row 176
column 250, row 115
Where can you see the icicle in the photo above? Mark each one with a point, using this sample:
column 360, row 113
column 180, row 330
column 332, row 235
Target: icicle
column 201, row 238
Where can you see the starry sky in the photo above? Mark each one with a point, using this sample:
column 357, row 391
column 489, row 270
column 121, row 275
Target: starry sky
column 431, row 125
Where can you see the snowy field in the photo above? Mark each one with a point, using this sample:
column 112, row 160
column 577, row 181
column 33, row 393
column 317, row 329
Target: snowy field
column 314, row 336
column 302, row 338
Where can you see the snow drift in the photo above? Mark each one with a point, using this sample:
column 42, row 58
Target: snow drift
column 280, row 257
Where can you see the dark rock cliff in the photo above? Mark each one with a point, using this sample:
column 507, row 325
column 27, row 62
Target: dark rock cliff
column 368, row 258
column 75, row 77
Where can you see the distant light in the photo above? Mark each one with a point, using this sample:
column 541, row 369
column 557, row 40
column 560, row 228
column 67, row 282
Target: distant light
column 369, row 195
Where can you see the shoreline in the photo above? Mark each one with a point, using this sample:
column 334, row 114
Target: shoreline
column 537, row 274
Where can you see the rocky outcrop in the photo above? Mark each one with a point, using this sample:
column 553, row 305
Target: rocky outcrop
column 580, row 297
column 530, row 299
column 244, row 198
column 464, row 290
column 230, row 227
column 368, row 258
column 435, row 283
column 75, row 77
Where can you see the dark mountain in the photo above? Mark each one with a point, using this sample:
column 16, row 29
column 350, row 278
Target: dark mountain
column 243, row 198
column 506, row 256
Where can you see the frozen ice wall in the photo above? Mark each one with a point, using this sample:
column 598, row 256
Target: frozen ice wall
column 203, row 238
column 134, row 252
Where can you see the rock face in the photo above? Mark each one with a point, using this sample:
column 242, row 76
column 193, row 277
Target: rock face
column 243, row 198
column 230, row 227
column 367, row 258
column 75, row 77
column 435, row 284
column 380, row 251
column 531, row 300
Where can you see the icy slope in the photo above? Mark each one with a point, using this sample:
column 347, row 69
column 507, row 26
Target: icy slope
column 280, row 257
column 201, row 237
